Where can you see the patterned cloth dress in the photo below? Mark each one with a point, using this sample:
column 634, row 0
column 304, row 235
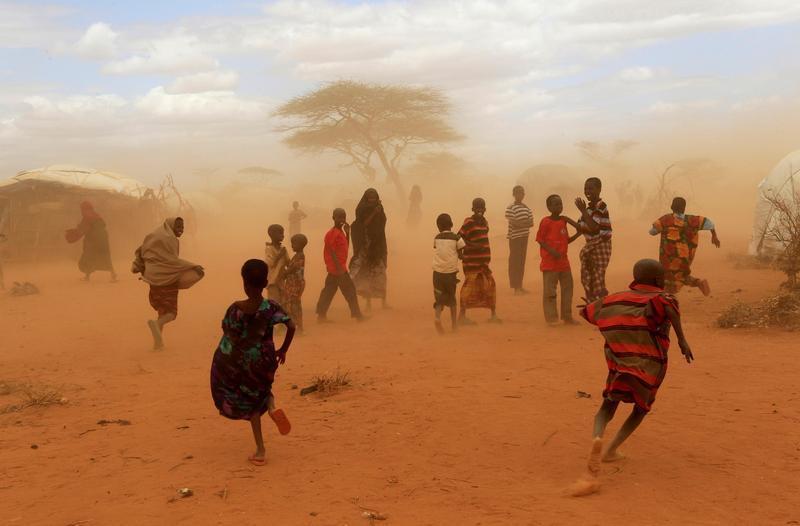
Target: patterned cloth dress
column 245, row 361
column 679, row 239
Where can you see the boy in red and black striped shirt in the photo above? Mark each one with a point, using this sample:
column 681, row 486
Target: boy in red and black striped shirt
column 479, row 290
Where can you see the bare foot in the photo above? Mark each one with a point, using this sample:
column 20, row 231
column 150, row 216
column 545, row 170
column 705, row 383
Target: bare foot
column 586, row 485
column 495, row 319
column 158, row 342
column 613, row 456
column 258, row 458
column 594, row 457
column 439, row 326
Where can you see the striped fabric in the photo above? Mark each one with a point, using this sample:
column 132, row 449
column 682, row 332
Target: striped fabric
column 636, row 328
column 519, row 212
column 477, row 253
column 599, row 213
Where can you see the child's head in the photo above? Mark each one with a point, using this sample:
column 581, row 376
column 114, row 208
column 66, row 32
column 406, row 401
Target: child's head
column 295, row 205
column 444, row 222
column 255, row 274
column 479, row 206
column 275, row 233
column 649, row 272
column 679, row 205
column 519, row 193
column 299, row 242
column 554, row 205
column 592, row 188
column 339, row 217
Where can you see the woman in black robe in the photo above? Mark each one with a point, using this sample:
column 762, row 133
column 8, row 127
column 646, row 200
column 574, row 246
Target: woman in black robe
column 368, row 232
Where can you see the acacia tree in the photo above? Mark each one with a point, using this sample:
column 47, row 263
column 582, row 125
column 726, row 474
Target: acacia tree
column 368, row 123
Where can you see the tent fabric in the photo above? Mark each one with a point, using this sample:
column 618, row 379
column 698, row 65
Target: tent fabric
column 782, row 182
column 87, row 178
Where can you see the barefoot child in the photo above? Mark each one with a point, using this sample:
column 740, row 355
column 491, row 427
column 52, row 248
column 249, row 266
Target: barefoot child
column 245, row 361
column 294, row 281
column 636, row 325
column 554, row 241
column 447, row 250
column 277, row 258
column 479, row 290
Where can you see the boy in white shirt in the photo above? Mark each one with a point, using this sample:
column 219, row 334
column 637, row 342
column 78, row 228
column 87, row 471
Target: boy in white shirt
column 447, row 248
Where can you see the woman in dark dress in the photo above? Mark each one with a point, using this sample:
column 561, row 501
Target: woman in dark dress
column 96, row 254
column 368, row 232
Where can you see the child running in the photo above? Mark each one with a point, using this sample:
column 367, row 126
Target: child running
column 636, row 325
column 277, row 258
column 245, row 361
column 554, row 242
column 447, row 248
column 294, row 281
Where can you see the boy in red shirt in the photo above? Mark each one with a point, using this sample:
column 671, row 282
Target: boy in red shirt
column 554, row 240
column 337, row 243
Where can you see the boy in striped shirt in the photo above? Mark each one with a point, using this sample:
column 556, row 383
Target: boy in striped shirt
column 520, row 222
column 479, row 290
column 595, row 225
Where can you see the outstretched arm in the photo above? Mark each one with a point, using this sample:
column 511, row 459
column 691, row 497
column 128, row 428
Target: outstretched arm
column 675, row 319
column 287, row 341
column 714, row 238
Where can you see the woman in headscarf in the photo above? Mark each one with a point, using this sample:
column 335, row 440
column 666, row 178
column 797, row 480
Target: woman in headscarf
column 96, row 252
column 368, row 232
column 158, row 261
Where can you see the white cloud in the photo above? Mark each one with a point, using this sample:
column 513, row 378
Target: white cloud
column 637, row 74
column 662, row 107
column 179, row 53
column 213, row 106
column 99, row 42
column 207, row 81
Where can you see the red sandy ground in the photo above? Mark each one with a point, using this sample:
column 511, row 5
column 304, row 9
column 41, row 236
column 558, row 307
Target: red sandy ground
column 483, row 427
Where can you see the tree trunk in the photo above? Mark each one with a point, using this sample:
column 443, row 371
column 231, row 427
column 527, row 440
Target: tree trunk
column 392, row 174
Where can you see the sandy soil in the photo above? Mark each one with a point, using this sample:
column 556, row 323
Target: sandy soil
column 483, row 427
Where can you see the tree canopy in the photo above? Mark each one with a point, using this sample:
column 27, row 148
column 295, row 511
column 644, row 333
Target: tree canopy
column 368, row 123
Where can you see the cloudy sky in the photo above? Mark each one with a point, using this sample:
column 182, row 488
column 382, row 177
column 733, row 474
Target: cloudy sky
column 126, row 78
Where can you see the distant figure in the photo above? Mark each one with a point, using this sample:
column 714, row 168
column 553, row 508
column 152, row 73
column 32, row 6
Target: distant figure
column 554, row 241
column 337, row 244
column 96, row 254
column 479, row 290
column 595, row 225
column 520, row 222
column 294, row 282
column 276, row 257
column 680, row 236
column 414, row 207
column 158, row 261
column 296, row 217
column 636, row 325
column 3, row 239
column 244, row 364
column 447, row 247
column 368, row 266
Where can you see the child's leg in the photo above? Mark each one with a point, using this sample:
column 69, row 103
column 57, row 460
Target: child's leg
column 255, row 423
column 437, row 309
column 549, row 296
column 603, row 417
column 567, row 286
column 633, row 421
column 454, row 317
column 164, row 319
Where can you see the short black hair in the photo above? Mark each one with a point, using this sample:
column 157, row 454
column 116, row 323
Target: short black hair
column 550, row 198
column 648, row 272
column 595, row 180
column 518, row 187
column 255, row 273
column 444, row 222
column 478, row 202
column 274, row 229
column 299, row 239
column 679, row 203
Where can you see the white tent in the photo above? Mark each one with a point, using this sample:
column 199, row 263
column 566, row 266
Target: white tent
column 87, row 178
column 783, row 182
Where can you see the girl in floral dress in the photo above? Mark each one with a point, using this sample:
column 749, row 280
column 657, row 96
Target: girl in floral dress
column 245, row 361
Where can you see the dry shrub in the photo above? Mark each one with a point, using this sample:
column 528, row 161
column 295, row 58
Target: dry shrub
column 779, row 311
column 34, row 396
column 330, row 383
column 748, row 262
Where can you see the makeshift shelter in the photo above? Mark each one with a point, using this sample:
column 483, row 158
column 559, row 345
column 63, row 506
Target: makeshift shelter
column 783, row 183
column 37, row 206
